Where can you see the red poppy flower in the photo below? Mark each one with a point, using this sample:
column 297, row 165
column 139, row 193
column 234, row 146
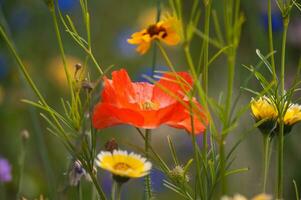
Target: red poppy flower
column 146, row 105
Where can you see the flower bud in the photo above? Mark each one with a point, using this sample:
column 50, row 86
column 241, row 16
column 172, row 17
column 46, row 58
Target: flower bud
column 111, row 145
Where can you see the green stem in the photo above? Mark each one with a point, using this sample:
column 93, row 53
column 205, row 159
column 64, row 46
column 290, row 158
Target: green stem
column 21, row 167
column 154, row 59
column 62, row 51
column 116, row 191
column 80, row 192
column 266, row 159
column 148, row 181
column 279, row 191
column 222, row 164
column 205, row 82
column 271, row 45
column 195, row 153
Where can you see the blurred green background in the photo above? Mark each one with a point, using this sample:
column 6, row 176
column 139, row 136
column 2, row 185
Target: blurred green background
column 112, row 22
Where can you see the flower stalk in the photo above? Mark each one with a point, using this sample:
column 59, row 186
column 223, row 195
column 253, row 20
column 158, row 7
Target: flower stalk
column 116, row 190
column 266, row 159
column 279, row 191
column 148, row 181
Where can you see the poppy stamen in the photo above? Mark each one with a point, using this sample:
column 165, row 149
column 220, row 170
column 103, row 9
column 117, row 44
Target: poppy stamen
column 149, row 105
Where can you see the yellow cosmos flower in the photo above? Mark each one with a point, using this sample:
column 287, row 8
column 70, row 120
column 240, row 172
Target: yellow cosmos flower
column 263, row 108
column 292, row 115
column 164, row 31
column 120, row 163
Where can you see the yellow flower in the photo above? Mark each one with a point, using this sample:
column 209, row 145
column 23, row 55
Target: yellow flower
column 235, row 197
column 262, row 197
column 120, row 163
column 240, row 197
column 292, row 115
column 56, row 70
column 263, row 108
column 164, row 31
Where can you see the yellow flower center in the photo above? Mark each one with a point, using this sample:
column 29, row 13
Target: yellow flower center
column 122, row 166
column 149, row 105
column 153, row 30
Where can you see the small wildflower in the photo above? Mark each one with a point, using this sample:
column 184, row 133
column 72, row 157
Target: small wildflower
column 111, row 145
column 263, row 109
column 178, row 173
column 76, row 173
column 123, row 165
column 5, row 171
column 164, row 31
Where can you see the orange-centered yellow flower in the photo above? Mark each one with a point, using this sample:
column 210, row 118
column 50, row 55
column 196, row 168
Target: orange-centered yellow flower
column 122, row 164
column 164, row 31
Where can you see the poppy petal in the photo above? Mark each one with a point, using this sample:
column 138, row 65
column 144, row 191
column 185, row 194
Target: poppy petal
column 173, row 83
column 106, row 115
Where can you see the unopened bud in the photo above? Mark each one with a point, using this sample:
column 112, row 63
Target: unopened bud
column 88, row 86
column 78, row 66
column 179, row 174
column 111, row 145
column 25, row 135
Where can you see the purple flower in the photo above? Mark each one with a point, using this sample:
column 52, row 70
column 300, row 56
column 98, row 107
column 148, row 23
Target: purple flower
column 5, row 171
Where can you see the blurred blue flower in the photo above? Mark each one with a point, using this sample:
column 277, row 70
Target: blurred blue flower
column 19, row 18
column 67, row 5
column 124, row 48
column 5, row 171
column 147, row 71
column 276, row 21
column 106, row 182
column 157, row 178
column 3, row 66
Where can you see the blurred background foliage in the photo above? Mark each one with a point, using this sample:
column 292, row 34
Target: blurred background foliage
column 112, row 22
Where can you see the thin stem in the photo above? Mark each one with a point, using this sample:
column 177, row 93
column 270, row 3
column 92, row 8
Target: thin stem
column 266, row 159
column 279, row 193
column 21, row 166
column 271, row 45
column 147, row 180
column 154, row 59
column 195, row 152
column 113, row 191
column 222, row 164
column 205, row 81
column 116, row 191
column 80, row 192
column 62, row 51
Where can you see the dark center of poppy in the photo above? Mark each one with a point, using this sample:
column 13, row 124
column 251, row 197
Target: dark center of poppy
column 154, row 30
column 122, row 166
